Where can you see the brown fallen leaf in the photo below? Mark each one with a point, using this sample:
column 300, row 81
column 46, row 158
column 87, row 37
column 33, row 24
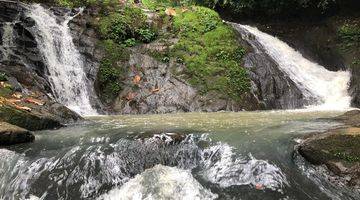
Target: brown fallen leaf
column 17, row 95
column 23, row 108
column 136, row 79
column 184, row 10
column 130, row 96
column 34, row 101
column 13, row 101
column 170, row 12
column 155, row 90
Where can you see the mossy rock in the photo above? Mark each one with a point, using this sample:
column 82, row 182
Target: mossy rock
column 340, row 145
column 11, row 134
column 28, row 120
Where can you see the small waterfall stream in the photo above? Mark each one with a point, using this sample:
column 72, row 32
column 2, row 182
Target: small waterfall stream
column 329, row 89
column 64, row 63
column 7, row 40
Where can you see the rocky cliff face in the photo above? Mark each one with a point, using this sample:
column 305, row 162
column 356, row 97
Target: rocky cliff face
column 320, row 41
column 151, row 85
column 26, row 98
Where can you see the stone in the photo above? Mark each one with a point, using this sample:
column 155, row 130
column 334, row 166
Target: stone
column 11, row 134
column 33, row 120
column 337, row 149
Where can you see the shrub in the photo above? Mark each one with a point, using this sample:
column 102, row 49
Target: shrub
column 130, row 42
column 146, row 35
column 128, row 24
column 350, row 35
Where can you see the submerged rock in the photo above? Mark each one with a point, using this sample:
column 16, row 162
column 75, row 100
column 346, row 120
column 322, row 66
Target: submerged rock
column 11, row 134
column 338, row 149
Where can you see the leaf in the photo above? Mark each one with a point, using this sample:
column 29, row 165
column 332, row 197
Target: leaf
column 136, row 79
column 130, row 96
column 23, row 108
column 170, row 12
column 17, row 95
column 34, row 101
column 155, row 90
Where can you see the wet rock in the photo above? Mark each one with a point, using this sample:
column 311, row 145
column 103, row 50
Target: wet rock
column 270, row 85
column 337, row 149
column 10, row 134
column 166, row 138
column 32, row 120
column 351, row 118
column 162, row 89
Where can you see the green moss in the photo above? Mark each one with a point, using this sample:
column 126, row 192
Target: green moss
column 211, row 52
column 349, row 35
column 111, row 72
column 338, row 147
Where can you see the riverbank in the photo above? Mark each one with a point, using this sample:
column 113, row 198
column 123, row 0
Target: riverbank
column 338, row 149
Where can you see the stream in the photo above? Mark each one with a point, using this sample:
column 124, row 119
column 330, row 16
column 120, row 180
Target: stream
column 246, row 155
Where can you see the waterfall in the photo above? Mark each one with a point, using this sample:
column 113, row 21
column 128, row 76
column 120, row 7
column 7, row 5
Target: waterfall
column 329, row 89
column 7, row 40
column 64, row 63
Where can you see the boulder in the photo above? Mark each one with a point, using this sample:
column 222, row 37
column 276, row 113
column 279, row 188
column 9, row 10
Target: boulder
column 31, row 120
column 337, row 149
column 10, row 134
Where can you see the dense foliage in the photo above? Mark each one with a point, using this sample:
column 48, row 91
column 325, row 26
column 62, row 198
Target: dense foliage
column 127, row 25
column 271, row 7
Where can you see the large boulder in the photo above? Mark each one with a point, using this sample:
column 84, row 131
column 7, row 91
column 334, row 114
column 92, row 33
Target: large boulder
column 10, row 134
column 337, row 149
column 30, row 120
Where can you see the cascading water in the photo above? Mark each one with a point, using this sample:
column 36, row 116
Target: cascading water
column 329, row 89
column 64, row 62
column 7, row 40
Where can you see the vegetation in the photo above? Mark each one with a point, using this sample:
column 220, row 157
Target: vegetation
column 350, row 35
column 272, row 7
column 127, row 25
column 111, row 71
column 209, row 49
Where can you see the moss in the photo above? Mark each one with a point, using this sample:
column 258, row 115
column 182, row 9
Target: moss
column 338, row 147
column 111, row 72
column 211, row 52
column 5, row 91
column 26, row 119
column 349, row 35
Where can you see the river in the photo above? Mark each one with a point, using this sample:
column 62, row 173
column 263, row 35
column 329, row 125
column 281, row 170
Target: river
column 245, row 155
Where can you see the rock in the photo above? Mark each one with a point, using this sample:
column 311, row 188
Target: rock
column 10, row 134
column 350, row 118
column 337, row 149
column 166, row 138
column 159, row 90
column 33, row 120
column 270, row 85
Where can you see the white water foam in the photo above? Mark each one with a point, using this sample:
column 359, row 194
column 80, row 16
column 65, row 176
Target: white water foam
column 329, row 88
column 223, row 167
column 161, row 182
column 64, row 62
column 7, row 40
